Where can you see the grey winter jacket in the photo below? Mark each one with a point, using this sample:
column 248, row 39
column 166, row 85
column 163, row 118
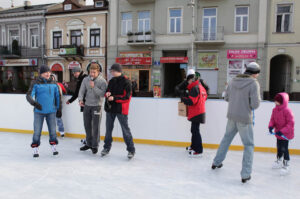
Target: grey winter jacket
column 93, row 96
column 243, row 95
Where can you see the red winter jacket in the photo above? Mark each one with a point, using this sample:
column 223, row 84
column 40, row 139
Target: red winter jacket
column 196, row 102
column 282, row 119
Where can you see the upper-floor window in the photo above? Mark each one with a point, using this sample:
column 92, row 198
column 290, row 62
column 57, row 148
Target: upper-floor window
column 57, row 39
column 99, row 4
column 126, row 25
column 209, row 29
column 68, row 7
column 241, row 19
column 175, row 20
column 144, row 21
column 284, row 18
column 34, row 37
column 14, row 35
column 95, row 38
column 76, row 37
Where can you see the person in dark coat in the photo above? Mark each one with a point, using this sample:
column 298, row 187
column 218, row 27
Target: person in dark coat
column 195, row 101
column 79, row 75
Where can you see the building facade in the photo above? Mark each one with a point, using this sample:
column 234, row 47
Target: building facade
column 22, row 47
column 157, row 40
column 76, row 36
column 283, row 49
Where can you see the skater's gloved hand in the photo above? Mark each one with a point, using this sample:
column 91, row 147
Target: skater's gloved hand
column 58, row 114
column 38, row 106
column 278, row 133
column 271, row 130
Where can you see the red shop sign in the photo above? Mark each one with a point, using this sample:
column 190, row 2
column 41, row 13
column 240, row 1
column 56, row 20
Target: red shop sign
column 134, row 60
column 242, row 54
column 174, row 60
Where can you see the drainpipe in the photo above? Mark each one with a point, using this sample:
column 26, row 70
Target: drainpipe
column 106, row 31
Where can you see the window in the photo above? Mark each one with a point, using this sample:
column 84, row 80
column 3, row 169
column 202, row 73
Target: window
column 209, row 30
column 126, row 23
column 99, row 4
column 57, row 39
column 68, row 7
column 76, row 37
column 95, row 38
column 175, row 16
column 284, row 18
column 14, row 35
column 34, row 37
column 144, row 22
column 241, row 19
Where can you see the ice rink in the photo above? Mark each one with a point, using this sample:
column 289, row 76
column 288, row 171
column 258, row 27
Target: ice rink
column 155, row 172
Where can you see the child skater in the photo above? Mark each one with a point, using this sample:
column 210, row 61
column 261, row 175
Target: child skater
column 282, row 121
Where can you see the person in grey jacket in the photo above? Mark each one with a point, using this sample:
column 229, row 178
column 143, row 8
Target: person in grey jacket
column 243, row 97
column 93, row 89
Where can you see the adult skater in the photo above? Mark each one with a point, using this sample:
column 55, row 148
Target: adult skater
column 117, row 102
column 243, row 95
column 93, row 88
column 44, row 95
column 196, row 111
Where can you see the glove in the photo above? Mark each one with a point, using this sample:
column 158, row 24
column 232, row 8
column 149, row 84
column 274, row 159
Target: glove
column 278, row 133
column 38, row 106
column 58, row 114
column 271, row 130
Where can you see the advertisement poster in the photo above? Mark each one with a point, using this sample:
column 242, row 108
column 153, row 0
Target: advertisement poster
column 236, row 67
column 156, row 77
column 156, row 91
column 208, row 60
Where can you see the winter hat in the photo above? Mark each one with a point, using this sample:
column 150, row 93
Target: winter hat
column 116, row 67
column 252, row 68
column 190, row 72
column 44, row 69
column 278, row 98
column 76, row 69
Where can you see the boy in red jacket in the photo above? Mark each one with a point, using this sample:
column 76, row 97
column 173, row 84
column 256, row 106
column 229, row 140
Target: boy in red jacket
column 282, row 120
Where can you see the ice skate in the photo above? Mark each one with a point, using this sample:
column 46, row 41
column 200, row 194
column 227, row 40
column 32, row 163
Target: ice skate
column 104, row 152
column 285, row 170
column 53, row 148
column 278, row 164
column 194, row 154
column 35, row 152
column 130, row 155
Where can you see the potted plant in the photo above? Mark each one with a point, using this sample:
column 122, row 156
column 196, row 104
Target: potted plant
column 140, row 37
column 130, row 37
column 148, row 36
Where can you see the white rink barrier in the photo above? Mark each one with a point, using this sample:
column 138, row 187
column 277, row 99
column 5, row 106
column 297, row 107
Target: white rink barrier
column 152, row 121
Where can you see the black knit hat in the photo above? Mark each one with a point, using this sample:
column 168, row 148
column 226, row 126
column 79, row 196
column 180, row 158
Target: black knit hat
column 44, row 69
column 116, row 67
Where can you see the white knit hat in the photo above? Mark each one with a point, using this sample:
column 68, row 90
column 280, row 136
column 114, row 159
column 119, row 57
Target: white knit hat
column 190, row 72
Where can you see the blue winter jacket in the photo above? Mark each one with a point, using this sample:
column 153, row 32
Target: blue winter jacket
column 46, row 93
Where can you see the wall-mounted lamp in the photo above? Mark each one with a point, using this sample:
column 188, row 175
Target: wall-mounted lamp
column 67, row 34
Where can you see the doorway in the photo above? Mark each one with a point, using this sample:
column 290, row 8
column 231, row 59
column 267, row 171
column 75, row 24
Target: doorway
column 280, row 74
column 173, row 75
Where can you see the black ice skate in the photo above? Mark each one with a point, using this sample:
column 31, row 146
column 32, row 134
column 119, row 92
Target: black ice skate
column 84, row 148
column 130, row 155
column 244, row 180
column 104, row 152
column 213, row 167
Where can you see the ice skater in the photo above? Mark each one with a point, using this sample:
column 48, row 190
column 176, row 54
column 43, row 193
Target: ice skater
column 282, row 121
column 92, row 89
column 44, row 95
column 117, row 102
column 243, row 96
column 196, row 111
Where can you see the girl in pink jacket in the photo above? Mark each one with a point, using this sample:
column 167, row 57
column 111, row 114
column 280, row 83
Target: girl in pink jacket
column 282, row 121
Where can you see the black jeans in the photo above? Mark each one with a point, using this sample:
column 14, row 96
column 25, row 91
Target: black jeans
column 283, row 149
column 196, row 138
column 123, row 119
column 92, row 119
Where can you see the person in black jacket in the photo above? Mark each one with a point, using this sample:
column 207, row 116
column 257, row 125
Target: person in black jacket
column 117, row 102
column 79, row 75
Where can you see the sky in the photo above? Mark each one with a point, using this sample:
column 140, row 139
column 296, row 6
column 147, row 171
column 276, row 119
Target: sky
column 7, row 3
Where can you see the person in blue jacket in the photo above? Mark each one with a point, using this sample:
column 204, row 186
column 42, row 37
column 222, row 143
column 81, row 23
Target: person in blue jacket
column 44, row 95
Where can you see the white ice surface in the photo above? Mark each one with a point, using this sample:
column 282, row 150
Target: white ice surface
column 155, row 172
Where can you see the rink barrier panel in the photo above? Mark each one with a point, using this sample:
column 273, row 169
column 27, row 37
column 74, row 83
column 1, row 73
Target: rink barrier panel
column 158, row 142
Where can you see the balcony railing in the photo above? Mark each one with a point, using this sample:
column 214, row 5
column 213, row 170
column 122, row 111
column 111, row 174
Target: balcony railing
column 210, row 35
column 10, row 52
column 71, row 51
column 140, row 38
column 140, row 1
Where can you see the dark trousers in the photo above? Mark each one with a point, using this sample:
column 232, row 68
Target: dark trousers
column 92, row 119
column 196, row 137
column 123, row 119
column 283, row 149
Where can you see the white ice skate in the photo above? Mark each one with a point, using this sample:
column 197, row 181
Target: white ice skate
column 194, row 154
column 277, row 164
column 53, row 147
column 188, row 149
column 285, row 170
column 35, row 152
column 62, row 134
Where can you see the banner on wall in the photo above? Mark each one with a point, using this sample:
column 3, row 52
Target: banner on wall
column 208, row 60
column 18, row 62
column 74, row 64
column 242, row 54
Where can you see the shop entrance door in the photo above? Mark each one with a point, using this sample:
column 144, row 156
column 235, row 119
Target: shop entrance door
column 173, row 75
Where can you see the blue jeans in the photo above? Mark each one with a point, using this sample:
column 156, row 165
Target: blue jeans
column 38, row 126
column 123, row 119
column 60, row 125
column 246, row 134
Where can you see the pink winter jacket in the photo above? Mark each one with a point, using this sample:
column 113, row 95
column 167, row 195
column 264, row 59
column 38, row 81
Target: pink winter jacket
column 282, row 119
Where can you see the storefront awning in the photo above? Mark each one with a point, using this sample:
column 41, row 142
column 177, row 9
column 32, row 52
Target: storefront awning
column 57, row 67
